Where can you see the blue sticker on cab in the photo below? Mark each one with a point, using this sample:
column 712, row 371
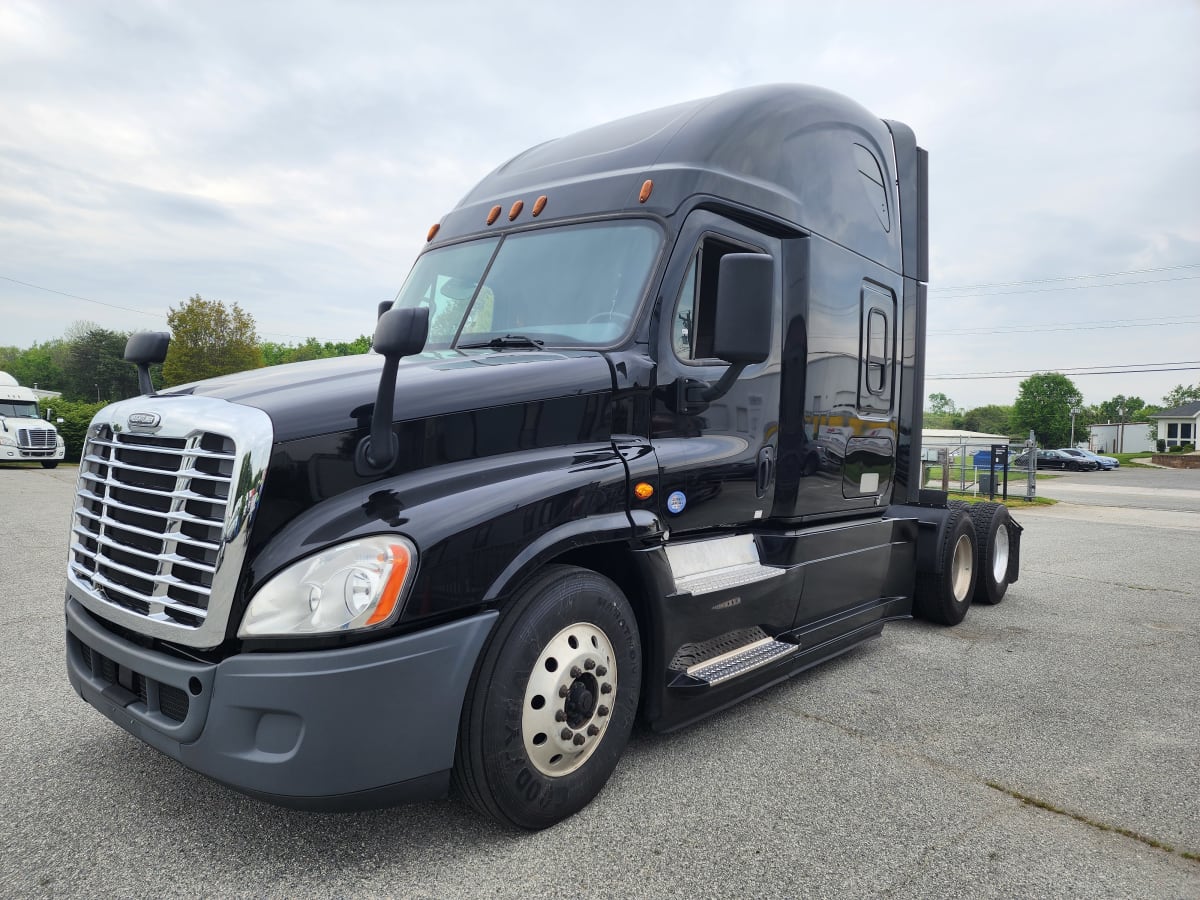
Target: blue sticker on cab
column 676, row 502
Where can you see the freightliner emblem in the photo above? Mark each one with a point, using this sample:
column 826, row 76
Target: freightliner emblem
column 144, row 420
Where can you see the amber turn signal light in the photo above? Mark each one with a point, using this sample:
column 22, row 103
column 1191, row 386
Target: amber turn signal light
column 643, row 490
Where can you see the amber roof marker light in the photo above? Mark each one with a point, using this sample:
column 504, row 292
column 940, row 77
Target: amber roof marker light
column 493, row 215
column 538, row 205
column 433, row 230
column 516, row 210
column 647, row 187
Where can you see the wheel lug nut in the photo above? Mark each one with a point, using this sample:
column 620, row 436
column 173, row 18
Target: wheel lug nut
column 601, row 671
column 602, row 710
column 562, row 690
column 560, row 716
column 576, row 671
column 579, row 739
column 593, row 730
column 606, row 688
column 589, row 664
column 565, row 734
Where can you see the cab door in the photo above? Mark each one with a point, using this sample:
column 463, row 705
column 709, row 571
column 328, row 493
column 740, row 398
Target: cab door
column 717, row 458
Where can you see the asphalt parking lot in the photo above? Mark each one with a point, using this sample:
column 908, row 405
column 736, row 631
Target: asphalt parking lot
column 1049, row 746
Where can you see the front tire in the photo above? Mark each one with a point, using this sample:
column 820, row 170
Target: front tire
column 49, row 463
column 552, row 701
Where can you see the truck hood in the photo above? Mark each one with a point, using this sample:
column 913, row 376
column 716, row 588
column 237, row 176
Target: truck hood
column 26, row 422
column 333, row 395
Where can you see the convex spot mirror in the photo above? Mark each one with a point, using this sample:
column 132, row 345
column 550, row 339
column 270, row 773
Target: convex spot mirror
column 745, row 292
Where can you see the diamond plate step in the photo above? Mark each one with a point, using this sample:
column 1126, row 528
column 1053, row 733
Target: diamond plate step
column 729, row 577
column 701, row 567
column 740, row 661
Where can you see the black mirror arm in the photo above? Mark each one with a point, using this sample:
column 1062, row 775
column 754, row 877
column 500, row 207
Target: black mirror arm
column 145, row 385
column 712, row 392
column 379, row 450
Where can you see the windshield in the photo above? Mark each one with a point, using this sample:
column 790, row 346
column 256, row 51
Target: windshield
column 574, row 285
column 18, row 408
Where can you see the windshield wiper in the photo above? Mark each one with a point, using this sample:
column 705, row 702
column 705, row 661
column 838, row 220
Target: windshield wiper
column 509, row 340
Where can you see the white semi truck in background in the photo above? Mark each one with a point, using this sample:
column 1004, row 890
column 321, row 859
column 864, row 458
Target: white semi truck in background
column 24, row 435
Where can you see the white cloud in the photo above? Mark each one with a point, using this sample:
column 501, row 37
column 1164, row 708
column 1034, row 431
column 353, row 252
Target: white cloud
column 291, row 156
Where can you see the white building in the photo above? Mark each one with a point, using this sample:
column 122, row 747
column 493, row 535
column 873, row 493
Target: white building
column 1179, row 425
column 1121, row 437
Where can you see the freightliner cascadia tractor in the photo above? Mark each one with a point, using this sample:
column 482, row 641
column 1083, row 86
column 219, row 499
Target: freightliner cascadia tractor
column 639, row 438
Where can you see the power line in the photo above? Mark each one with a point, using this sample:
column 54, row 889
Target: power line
column 1071, row 287
column 144, row 312
column 963, row 287
column 1087, row 325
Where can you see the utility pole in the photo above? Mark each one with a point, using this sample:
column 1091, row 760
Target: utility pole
column 1075, row 410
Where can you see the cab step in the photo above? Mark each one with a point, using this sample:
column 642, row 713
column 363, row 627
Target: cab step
column 703, row 567
column 740, row 661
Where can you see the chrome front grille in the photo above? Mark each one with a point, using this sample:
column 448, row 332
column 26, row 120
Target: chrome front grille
column 162, row 515
column 36, row 438
column 150, row 517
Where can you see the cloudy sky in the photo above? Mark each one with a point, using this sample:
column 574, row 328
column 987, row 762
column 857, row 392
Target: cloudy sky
column 291, row 156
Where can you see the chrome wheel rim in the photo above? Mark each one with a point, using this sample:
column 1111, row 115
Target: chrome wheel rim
column 1000, row 555
column 569, row 699
column 961, row 567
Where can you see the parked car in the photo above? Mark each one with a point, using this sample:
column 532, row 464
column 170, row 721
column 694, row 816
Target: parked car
column 1105, row 462
column 1056, row 459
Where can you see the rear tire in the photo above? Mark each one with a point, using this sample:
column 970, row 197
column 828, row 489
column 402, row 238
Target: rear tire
column 993, row 537
column 552, row 701
column 943, row 595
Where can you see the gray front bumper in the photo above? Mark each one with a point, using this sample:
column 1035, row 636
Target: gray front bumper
column 331, row 729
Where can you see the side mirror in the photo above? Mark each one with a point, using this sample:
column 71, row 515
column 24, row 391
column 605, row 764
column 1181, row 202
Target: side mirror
column 742, row 324
column 144, row 349
column 399, row 333
column 745, row 308
column 59, row 420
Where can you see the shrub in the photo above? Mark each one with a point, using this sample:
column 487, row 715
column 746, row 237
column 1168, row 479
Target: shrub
column 75, row 417
column 1162, row 445
column 1188, row 448
column 1178, row 448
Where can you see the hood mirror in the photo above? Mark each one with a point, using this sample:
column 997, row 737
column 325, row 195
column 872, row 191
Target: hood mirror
column 399, row 333
column 145, row 349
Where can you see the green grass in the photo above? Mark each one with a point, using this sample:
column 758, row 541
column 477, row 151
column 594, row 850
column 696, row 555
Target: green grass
column 1013, row 501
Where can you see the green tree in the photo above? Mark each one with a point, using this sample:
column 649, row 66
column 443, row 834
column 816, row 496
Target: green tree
column 95, row 369
column 1122, row 409
column 1044, row 403
column 990, row 419
column 41, row 364
column 208, row 339
column 940, row 404
column 1180, row 395
column 275, row 354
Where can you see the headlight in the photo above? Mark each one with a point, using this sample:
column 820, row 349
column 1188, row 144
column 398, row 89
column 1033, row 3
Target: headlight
column 7, row 440
column 354, row 585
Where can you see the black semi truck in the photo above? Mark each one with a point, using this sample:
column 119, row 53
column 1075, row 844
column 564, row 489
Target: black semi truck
column 639, row 438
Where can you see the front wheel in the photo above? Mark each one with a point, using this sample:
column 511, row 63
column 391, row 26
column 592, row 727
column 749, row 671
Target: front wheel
column 552, row 701
column 49, row 463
